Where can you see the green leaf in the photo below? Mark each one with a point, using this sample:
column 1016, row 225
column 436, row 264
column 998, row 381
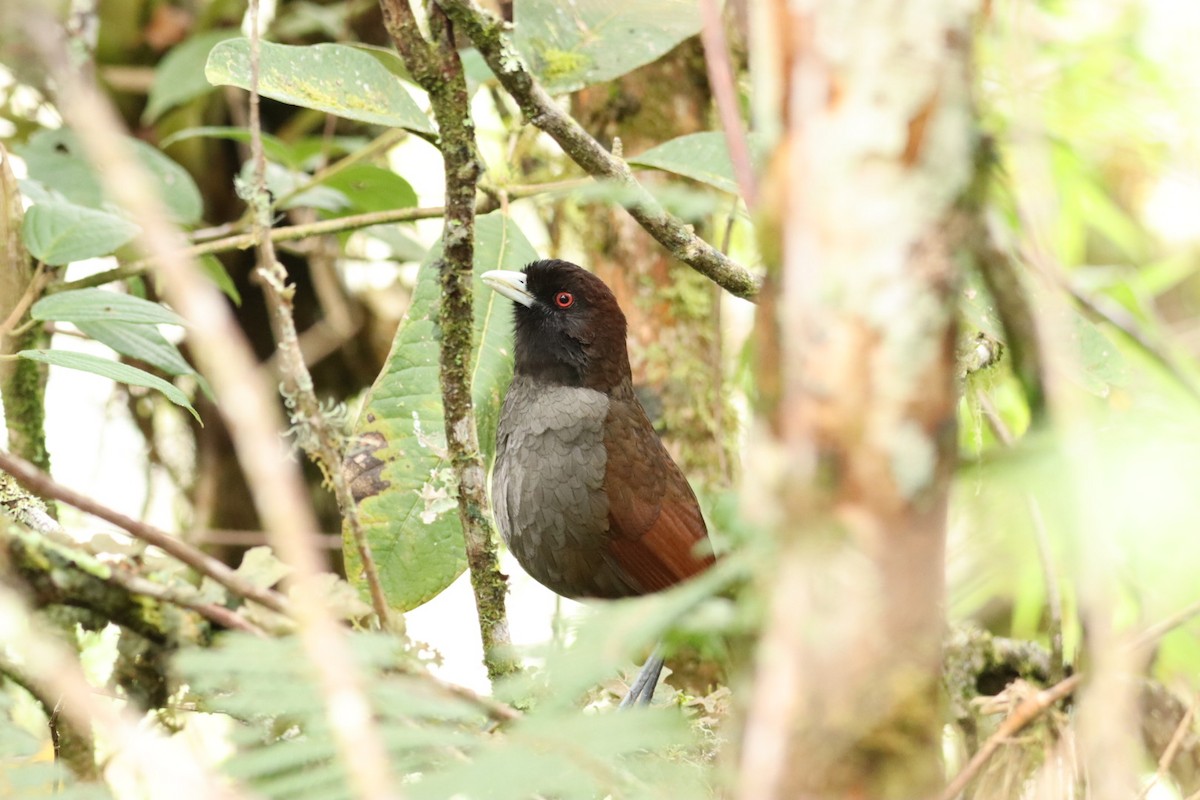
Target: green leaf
column 399, row 471
column 274, row 148
column 1100, row 364
column 542, row 755
column 475, row 69
column 59, row 233
column 701, row 156
column 334, row 78
column 56, row 160
column 121, row 373
column 212, row 267
column 572, row 45
column 82, row 305
column 179, row 77
column 371, row 188
column 355, row 189
column 262, row 568
column 144, row 343
column 403, row 246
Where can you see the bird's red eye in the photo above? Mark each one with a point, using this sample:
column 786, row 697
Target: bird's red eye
column 564, row 299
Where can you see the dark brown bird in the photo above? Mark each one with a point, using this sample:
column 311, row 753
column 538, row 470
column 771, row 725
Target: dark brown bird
column 586, row 496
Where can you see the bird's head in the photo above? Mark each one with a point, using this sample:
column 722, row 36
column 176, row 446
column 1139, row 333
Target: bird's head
column 568, row 328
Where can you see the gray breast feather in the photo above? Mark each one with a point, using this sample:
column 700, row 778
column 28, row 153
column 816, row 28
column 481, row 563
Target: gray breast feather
column 547, row 487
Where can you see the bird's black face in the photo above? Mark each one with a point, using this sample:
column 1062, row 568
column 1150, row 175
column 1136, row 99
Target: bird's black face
column 568, row 328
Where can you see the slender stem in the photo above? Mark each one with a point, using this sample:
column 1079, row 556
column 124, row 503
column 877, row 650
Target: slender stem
column 243, row 240
column 1042, row 540
column 315, row 432
column 250, row 412
column 32, row 291
column 486, row 32
column 720, row 78
column 438, row 69
column 1152, row 634
column 1116, row 316
column 1172, row 750
column 381, row 144
column 1026, row 712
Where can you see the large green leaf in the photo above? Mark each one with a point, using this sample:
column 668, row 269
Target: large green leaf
column 355, row 189
column 81, row 305
column 576, row 44
column 273, row 147
column 58, row 232
column 701, row 156
column 338, row 79
column 144, row 343
column 179, row 77
column 399, row 469
column 55, row 159
column 371, row 188
column 297, row 154
column 122, row 373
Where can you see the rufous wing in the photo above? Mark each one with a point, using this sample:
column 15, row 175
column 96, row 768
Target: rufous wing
column 657, row 533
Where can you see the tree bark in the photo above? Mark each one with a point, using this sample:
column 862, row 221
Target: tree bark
column 862, row 199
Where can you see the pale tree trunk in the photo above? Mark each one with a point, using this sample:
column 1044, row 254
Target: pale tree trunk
column 863, row 192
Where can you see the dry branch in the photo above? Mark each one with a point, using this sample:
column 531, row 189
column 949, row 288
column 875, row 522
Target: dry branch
column 247, row 404
column 42, row 484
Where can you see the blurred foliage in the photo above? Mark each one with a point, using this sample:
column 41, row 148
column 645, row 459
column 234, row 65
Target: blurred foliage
column 1092, row 108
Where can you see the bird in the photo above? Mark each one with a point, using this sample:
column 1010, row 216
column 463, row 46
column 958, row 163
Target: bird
column 584, row 493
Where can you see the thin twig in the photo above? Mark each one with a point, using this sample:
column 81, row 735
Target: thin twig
column 347, row 709
column 487, row 33
column 1168, row 756
column 288, row 233
column 720, row 78
column 381, row 144
column 1122, row 320
column 42, row 484
column 496, row 710
column 34, row 290
column 315, row 432
column 242, row 241
column 226, row 618
column 1041, row 537
column 247, row 405
column 437, row 68
column 1042, row 540
column 1164, row 626
column 1026, row 712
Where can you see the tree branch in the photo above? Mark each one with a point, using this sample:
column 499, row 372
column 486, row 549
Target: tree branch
column 160, row 766
column 1029, row 709
column 243, row 240
column 438, row 69
column 488, row 35
column 312, row 425
column 40, row 483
